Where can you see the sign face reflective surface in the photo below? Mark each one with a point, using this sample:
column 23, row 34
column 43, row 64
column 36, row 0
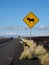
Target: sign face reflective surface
column 31, row 19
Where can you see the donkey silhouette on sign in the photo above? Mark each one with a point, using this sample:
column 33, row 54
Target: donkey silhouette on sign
column 30, row 20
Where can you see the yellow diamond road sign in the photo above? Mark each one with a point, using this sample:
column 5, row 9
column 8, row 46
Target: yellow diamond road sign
column 31, row 19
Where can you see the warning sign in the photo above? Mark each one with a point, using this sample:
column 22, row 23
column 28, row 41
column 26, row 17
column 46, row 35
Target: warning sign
column 31, row 19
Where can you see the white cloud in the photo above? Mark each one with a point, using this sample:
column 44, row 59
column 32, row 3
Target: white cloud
column 41, row 27
column 7, row 33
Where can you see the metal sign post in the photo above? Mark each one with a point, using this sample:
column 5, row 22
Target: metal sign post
column 30, row 34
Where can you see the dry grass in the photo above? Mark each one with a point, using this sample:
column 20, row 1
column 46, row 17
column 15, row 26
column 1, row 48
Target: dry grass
column 26, row 53
column 40, row 50
column 32, row 50
column 45, row 59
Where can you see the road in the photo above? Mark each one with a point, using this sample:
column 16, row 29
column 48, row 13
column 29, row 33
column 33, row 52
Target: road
column 7, row 51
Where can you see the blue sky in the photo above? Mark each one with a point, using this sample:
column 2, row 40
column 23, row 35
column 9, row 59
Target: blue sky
column 12, row 13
